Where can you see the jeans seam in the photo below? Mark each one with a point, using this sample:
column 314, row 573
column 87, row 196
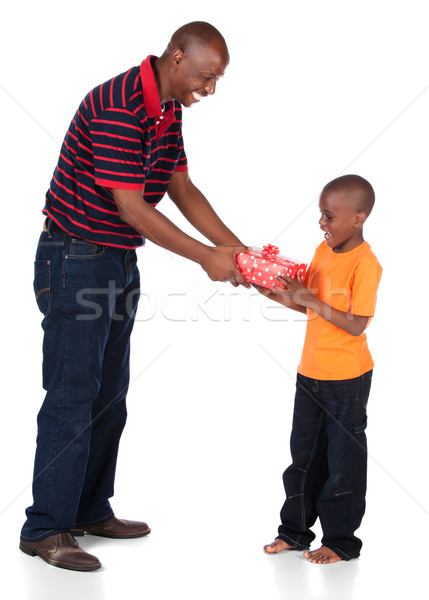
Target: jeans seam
column 310, row 460
column 340, row 552
column 60, row 407
column 297, row 545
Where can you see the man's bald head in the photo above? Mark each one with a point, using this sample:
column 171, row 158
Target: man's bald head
column 195, row 59
column 355, row 190
column 196, row 36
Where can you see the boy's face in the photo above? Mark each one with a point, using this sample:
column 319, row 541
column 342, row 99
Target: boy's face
column 340, row 221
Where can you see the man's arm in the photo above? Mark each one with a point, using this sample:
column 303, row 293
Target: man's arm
column 219, row 263
column 198, row 211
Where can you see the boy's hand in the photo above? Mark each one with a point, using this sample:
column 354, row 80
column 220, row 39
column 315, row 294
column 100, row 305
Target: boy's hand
column 267, row 292
column 293, row 289
column 262, row 290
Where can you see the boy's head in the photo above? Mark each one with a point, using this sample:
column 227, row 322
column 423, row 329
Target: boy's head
column 345, row 204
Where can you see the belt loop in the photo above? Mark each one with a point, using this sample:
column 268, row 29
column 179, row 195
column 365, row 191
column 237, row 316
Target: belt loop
column 48, row 224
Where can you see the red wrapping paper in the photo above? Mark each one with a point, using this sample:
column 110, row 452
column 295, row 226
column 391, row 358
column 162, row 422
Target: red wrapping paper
column 261, row 266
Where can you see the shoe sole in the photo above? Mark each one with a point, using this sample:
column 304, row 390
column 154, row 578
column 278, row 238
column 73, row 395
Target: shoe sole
column 31, row 552
column 81, row 532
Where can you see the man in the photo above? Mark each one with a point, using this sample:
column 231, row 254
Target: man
column 122, row 152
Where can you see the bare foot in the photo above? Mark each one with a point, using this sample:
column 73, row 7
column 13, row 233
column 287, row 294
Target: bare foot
column 322, row 556
column 277, row 546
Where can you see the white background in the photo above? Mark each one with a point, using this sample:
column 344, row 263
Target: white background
column 314, row 89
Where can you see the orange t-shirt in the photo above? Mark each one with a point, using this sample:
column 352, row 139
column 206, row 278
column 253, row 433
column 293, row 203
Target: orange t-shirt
column 347, row 281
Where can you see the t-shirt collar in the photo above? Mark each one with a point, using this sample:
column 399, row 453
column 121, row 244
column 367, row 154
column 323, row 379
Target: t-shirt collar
column 150, row 89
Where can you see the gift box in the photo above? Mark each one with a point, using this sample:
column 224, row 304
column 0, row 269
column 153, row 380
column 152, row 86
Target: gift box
column 261, row 266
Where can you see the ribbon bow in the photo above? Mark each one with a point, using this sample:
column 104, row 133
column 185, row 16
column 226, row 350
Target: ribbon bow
column 270, row 250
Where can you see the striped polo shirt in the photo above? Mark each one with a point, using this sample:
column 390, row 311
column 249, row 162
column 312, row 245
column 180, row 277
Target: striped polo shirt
column 119, row 138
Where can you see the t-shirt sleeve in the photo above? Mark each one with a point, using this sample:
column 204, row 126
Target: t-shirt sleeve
column 116, row 137
column 313, row 264
column 182, row 163
column 365, row 285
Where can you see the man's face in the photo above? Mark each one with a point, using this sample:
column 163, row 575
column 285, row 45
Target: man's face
column 198, row 72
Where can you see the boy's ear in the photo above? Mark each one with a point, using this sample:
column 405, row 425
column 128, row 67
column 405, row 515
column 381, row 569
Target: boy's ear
column 360, row 219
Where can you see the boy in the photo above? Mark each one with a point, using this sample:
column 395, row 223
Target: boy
column 327, row 477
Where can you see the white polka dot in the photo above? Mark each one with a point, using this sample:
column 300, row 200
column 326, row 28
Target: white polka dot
column 264, row 282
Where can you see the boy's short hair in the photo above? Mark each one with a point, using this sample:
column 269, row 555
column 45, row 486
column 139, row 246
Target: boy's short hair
column 357, row 190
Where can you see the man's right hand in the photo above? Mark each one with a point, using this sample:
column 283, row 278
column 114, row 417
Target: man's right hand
column 220, row 265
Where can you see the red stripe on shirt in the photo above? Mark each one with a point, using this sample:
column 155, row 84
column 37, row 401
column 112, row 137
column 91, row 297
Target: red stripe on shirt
column 111, row 91
column 124, row 103
column 113, row 135
column 136, row 80
column 113, row 123
column 117, row 148
column 83, row 133
column 82, row 118
column 91, row 97
column 120, row 185
column 119, row 161
column 121, row 174
column 83, row 160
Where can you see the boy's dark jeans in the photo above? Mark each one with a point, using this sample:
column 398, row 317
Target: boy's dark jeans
column 88, row 295
column 327, row 477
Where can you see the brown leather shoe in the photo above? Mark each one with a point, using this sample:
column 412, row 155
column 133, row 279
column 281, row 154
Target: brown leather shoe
column 62, row 550
column 114, row 528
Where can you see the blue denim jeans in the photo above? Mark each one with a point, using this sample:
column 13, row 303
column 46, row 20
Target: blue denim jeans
column 88, row 295
column 327, row 477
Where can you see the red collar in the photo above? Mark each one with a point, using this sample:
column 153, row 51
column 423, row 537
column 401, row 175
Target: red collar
column 150, row 90
column 151, row 99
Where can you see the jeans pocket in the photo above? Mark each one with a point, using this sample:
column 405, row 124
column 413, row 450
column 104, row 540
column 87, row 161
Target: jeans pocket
column 83, row 249
column 364, row 386
column 42, row 285
column 361, row 428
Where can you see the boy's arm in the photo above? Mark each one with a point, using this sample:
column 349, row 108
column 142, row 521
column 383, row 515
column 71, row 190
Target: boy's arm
column 296, row 292
column 285, row 300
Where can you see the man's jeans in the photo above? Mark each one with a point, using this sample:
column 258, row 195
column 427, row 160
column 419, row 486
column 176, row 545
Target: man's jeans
column 327, row 477
column 88, row 295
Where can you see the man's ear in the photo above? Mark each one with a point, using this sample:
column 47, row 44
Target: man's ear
column 177, row 56
column 360, row 218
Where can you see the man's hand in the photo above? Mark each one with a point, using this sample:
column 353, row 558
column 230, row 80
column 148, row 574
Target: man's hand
column 219, row 264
